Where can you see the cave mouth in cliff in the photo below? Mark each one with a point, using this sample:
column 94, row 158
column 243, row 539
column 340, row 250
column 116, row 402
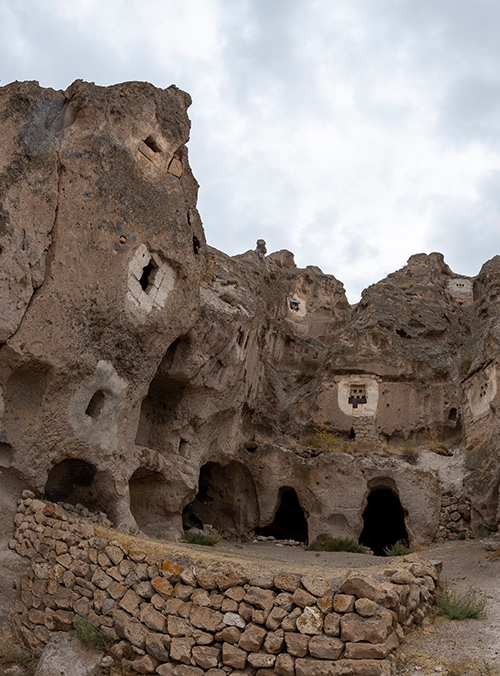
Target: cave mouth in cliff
column 226, row 499
column 289, row 522
column 147, row 491
column 72, row 480
column 384, row 521
column 96, row 404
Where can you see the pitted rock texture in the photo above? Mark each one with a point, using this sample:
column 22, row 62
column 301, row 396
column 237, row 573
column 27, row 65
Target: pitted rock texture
column 150, row 376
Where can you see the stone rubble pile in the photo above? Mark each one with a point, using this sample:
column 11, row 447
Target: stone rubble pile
column 454, row 522
column 174, row 619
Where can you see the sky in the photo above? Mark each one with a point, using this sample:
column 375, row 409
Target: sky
column 354, row 133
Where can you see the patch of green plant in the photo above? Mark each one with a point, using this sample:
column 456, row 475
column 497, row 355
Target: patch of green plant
column 305, row 376
column 399, row 548
column 90, row 635
column 200, row 539
column 455, row 606
column 336, row 545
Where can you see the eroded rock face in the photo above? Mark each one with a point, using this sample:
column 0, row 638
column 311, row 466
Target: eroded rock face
column 149, row 375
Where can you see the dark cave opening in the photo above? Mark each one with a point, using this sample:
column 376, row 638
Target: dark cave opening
column 226, row 499
column 289, row 522
column 71, row 480
column 384, row 521
column 146, row 277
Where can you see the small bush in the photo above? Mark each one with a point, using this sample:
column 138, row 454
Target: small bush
column 468, row 606
column 336, row 545
column 89, row 634
column 399, row 548
column 200, row 539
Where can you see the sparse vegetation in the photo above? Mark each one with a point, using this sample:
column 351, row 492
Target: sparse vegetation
column 336, row 545
column 410, row 453
column 465, row 365
column 455, row 606
column 200, row 539
column 90, row 635
column 399, row 548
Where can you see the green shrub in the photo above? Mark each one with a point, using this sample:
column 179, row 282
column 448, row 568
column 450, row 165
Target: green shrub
column 88, row 634
column 200, row 539
column 399, row 548
column 336, row 545
column 468, row 606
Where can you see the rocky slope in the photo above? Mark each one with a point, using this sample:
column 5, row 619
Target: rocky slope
column 149, row 375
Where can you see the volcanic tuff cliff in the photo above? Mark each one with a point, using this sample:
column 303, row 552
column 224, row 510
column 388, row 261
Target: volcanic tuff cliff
column 149, row 375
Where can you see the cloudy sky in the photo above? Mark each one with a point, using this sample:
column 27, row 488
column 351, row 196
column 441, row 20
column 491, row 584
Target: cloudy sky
column 352, row 132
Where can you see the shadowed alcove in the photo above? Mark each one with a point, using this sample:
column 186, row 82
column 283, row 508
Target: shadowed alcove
column 147, row 490
column 289, row 521
column 226, row 499
column 384, row 521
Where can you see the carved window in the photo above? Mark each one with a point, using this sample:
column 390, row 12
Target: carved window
column 294, row 304
column 357, row 395
column 482, row 390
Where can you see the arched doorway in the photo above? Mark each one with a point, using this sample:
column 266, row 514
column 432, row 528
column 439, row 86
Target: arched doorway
column 384, row 521
column 226, row 499
column 289, row 521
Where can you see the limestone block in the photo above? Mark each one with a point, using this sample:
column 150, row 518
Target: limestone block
column 316, row 585
column 261, row 579
column 402, row 576
column 162, row 587
column 64, row 654
column 289, row 623
column 233, row 656
column 130, row 601
column 296, row 644
column 200, row 597
column 287, row 581
column 229, row 578
column 135, row 632
column 206, row 579
column 183, row 591
column 284, row 600
column 205, row 618
column 343, row 603
column 228, row 635
column 285, row 665
column 180, row 649
column 274, row 642
column 261, row 660
column 302, row 598
column 156, row 647
column 206, row 657
column 370, row 629
column 365, row 607
column 177, row 626
column 101, row 580
column 235, row 593
column 234, row 620
column 325, row 648
column 362, row 651
column 252, row 638
column 366, row 586
column 152, row 618
column 260, row 598
column 310, row 621
column 275, row 618
column 312, row 667
column 325, row 603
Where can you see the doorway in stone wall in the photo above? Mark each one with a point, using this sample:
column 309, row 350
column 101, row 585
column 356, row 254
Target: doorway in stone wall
column 289, row 521
column 384, row 521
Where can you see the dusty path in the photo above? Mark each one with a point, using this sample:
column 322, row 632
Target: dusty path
column 465, row 647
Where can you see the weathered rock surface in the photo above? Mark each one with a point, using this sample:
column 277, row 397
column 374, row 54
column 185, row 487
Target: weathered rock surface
column 150, row 376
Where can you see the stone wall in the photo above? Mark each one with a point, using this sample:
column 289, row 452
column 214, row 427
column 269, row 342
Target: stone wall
column 454, row 522
column 172, row 618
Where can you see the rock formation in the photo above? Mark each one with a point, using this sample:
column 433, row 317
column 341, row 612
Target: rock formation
column 153, row 377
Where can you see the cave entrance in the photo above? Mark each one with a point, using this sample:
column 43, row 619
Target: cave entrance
column 384, row 521
column 226, row 499
column 289, row 522
column 72, row 480
column 148, row 491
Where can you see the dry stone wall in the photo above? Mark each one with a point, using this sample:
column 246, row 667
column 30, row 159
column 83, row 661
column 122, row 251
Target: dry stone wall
column 169, row 617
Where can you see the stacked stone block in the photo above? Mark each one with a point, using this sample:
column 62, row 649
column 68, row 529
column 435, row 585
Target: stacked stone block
column 454, row 522
column 175, row 619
